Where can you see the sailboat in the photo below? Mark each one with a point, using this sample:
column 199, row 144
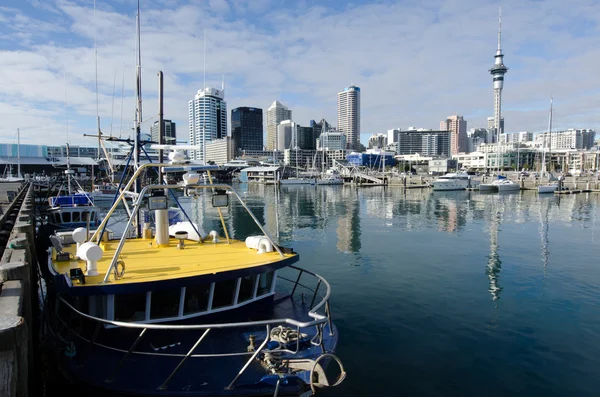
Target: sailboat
column 176, row 311
column 549, row 187
column 10, row 177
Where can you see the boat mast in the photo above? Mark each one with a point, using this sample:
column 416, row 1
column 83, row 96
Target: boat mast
column 97, row 104
column 549, row 169
column 138, row 113
column 18, row 153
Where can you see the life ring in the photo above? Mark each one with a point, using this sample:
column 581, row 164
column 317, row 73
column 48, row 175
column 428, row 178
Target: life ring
column 119, row 274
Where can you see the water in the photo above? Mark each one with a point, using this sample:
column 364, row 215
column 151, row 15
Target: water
column 445, row 293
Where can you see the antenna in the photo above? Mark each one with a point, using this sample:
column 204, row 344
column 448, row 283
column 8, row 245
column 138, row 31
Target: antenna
column 112, row 113
column 66, row 118
column 204, row 84
column 96, row 70
column 223, row 83
column 499, row 27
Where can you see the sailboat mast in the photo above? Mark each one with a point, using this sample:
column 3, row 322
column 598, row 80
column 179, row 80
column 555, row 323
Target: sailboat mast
column 18, row 153
column 550, row 138
column 136, row 153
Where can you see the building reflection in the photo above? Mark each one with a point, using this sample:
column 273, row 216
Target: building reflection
column 493, row 260
column 544, row 210
column 348, row 224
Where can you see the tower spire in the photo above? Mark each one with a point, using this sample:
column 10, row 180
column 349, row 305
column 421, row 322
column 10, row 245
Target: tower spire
column 499, row 29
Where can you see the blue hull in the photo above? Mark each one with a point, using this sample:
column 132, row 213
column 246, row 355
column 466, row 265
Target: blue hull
column 93, row 368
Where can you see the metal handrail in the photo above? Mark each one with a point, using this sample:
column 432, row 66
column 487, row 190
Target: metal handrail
column 138, row 204
column 318, row 318
column 319, row 323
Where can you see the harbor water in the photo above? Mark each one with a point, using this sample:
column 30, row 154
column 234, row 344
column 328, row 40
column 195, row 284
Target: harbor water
column 445, row 293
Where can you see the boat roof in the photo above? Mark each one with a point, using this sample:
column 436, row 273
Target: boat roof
column 146, row 264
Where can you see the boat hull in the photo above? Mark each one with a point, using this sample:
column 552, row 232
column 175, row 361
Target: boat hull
column 454, row 185
column 488, row 187
column 547, row 188
column 93, row 369
column 297, row 182
column 509, row 187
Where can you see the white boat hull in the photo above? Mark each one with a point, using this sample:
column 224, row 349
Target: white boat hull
column 508, row 187
column 454, row 185
column 298, row 181
column 488, row 187
column 547, row 188
column 332, row 181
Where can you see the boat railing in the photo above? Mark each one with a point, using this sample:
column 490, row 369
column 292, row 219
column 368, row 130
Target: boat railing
column 319, row 312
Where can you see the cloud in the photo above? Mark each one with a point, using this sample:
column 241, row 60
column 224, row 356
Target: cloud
column 416, row 62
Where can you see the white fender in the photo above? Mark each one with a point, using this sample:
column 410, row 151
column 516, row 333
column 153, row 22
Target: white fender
column 264, row 245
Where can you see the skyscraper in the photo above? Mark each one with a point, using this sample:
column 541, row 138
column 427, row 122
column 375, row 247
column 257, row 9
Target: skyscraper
column 458, row 133
column 246, row 129
column 349, row 115
column 498, row 71
column 207, row 119
column 170, row 133
column 276, row 113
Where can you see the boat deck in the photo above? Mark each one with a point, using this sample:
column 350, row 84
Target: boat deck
column 145, row 262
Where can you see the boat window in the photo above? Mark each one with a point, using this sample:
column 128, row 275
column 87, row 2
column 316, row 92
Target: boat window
column 66, row 217
column 76, row 216
column 165, row 303
column 224, row 291
column 264, row 284
column 246, row 288
column 93, row 217
column 130, row 307
column 196, row 298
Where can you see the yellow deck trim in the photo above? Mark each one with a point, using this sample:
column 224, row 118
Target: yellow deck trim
column 145, row 263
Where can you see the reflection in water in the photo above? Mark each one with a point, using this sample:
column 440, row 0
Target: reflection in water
column 494, row 262
column 544, row 225
column 348, row 229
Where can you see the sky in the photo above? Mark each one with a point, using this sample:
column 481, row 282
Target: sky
column 416, row 62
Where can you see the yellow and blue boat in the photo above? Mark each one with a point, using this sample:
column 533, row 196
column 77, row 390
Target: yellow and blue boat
column 170, row 310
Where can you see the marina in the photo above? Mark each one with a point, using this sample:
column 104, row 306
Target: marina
column 221, row 246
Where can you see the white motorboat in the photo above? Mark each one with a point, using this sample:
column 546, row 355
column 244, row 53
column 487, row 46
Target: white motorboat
column 298, row 181
column 330, row 177
column 500, row 185
column 548, row 188
column 506, row 185
column 452, row 181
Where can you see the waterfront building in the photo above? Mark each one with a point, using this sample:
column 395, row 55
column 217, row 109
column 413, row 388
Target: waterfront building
column 569, row 139
column 169, row 135
column 219, row 151
column 378, row 141
column 299, row 158
column 276, row 113
column 374, row 159
column 498, row 71
column 348, row 105
column 457, row 126
column 423, row 141
column 266, row 156
column 246, row 129
column 332, row 140
column 207, row 119
column 442, row 166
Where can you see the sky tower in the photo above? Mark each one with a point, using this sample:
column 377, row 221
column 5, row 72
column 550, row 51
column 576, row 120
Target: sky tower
column 498, row 71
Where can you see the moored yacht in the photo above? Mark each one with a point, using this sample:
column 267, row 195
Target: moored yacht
column 176, row 311
column 452, row 181
column 330, row 177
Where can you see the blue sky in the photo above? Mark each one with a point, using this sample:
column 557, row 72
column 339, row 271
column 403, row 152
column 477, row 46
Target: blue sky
column 416, row 62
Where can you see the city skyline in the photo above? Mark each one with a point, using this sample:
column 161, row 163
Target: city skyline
column 248, row 44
